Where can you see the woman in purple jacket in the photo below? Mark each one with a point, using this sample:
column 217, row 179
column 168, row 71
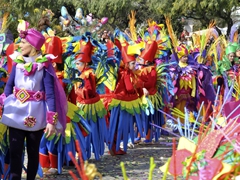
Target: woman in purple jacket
column 33, row 102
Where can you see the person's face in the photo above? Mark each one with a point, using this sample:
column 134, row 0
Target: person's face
column 104, row 34
column 139, row 64
column 26, row 48
column 184, row 59
column 131, row 65
column 238, row 53
column 141, row 60
column 80, row 66
column 231, row 57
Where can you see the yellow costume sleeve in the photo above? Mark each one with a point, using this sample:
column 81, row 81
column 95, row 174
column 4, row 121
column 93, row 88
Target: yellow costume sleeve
column 193, row 94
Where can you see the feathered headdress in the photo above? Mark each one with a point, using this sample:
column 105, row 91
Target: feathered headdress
column 107, row 62
column 206, row 39
column 149, row 52
column 217, row 50
column 86, row 49
column 156, row 32
column 122, row 42
column 181, row 51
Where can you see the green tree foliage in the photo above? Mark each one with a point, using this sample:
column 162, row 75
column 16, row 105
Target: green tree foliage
column 164, row 7
column 30, row 10
column 25, row 6
column 118, row 10
column 201, row 10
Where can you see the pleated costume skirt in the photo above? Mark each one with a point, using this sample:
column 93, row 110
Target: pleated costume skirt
column 123, row 115
column 94, row 114
column 156, row 117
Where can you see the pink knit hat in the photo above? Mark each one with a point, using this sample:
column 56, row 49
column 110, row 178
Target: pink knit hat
column 34, row 37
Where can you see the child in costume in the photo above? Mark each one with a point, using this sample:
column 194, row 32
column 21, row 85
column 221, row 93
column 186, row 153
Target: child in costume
column 228, row 68
column 88, row 100
column 125, row 107
column 39, row 103
column 185, row 83
column 148, row 75
column 154, row 76
column 48, row 153
column 54, row 153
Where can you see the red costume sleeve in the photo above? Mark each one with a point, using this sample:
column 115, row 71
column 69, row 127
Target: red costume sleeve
column 126, row 89
column 89, row 87
column 128, row 84
column 72, row 96
column 139, row 85
column 88, row 91
column 151, row 80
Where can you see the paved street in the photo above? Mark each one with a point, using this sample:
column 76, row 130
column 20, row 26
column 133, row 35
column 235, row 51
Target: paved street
column 136, row 162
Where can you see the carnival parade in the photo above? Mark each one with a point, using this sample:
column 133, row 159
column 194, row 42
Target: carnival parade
column 67, row 97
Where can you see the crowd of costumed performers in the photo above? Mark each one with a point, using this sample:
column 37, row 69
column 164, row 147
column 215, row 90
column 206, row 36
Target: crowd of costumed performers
column 208, row 146
column 133, row 88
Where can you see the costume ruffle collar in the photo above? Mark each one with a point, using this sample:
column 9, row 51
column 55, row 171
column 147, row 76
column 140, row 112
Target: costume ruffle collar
column 30, row 64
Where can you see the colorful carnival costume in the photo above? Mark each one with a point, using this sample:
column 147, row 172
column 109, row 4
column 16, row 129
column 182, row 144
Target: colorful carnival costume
column 109, row 64
column 212, row 153
column 206, row 92
column 228, row 69
column 185, row 83
column 125, row 107
column 88, row 100
column 31, row 81
column 54, row 152
column 48, row 152
column 77, row 127
column 154, row 76
column 149, row 76
column 203, row 52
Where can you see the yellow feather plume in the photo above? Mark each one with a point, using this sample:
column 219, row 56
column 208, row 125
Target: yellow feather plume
column 204, row 40
column 235, row 37
column 171, row 32
column 5, row 22
column 132, row 21
column 223, row 44
column 196, row 40
column 212, row 52
column 163, row 31
column 220, row 43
